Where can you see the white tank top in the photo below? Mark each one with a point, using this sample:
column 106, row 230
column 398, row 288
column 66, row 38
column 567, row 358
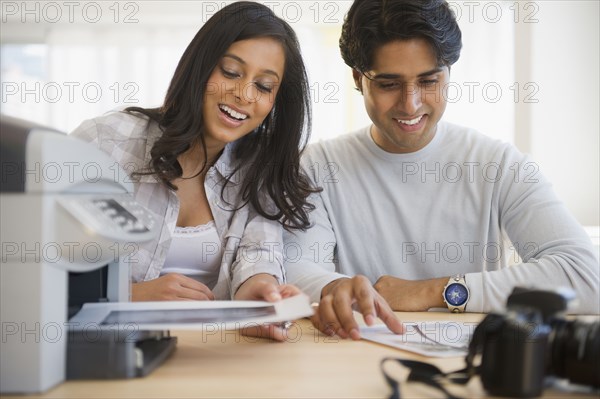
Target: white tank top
column 195, row 252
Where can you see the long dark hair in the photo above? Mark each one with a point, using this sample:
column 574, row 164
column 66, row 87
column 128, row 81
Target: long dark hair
column 270, row 155
column 370, row 24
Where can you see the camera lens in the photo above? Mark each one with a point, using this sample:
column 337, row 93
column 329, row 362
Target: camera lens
column 575, row 351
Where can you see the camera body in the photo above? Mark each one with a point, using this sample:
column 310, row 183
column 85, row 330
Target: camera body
column 513, row 361
column 532, row 341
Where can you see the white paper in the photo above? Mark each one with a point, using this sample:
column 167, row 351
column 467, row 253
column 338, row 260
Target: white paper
column 190, row 315
column 430, row 338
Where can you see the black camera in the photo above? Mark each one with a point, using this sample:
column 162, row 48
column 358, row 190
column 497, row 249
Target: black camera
column 532, row 341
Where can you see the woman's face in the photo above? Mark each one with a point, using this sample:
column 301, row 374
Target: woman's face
column 242, row 88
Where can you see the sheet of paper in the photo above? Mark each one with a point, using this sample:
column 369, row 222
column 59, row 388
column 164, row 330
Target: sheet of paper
column 431, row 338
column 190, row 315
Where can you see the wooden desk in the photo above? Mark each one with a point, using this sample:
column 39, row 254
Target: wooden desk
column 309, row 365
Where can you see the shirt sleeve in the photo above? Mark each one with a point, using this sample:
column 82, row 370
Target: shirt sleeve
column 260, row 249
column 87, row 131
column 554, row 248
column 310, row 256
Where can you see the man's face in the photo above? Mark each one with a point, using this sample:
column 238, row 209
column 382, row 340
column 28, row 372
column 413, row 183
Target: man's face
column 404, row 95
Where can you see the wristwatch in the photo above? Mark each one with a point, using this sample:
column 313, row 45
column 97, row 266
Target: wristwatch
column 456, row 293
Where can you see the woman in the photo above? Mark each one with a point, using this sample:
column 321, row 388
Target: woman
column 218, row 162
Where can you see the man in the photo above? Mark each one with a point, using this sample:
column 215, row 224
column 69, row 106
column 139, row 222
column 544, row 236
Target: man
column 421, row 208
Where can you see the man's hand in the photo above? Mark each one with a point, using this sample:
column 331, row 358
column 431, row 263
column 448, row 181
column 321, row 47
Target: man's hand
column 412, row 295
column 264, row 287
column 334, row 314
column 171, row 287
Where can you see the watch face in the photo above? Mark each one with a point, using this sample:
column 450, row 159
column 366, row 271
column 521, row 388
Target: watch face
column 456, row 294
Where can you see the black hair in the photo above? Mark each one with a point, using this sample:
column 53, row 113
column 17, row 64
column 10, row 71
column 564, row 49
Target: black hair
column 370, row 24
column 270, row 155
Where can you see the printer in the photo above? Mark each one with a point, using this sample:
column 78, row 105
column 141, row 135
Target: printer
column 69, row 223
column 67, row 213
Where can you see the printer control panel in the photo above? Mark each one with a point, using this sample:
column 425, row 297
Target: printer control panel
column 118, row 217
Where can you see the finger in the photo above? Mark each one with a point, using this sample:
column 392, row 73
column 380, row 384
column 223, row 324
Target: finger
column 316, row 322
column 190, row 283
column 269, row 331
column 268, row 292
column 342, row 305
column 314, row 318
column 195, row 295
column 328, row 319
column 365, row 301
column 288, row 290
column 188, row 299
column 386, row 314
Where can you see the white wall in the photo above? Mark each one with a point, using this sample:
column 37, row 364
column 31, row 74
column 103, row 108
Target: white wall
column 551, row 45
column 565, row 124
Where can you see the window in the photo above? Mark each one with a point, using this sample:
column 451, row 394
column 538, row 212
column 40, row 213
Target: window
column 124, row 54
column 528, row 73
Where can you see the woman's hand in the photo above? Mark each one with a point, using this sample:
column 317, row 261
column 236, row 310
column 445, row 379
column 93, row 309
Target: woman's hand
column 171, row 287
column 264, row 287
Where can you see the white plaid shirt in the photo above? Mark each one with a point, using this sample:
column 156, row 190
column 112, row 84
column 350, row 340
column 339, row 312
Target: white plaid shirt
column 252, row 244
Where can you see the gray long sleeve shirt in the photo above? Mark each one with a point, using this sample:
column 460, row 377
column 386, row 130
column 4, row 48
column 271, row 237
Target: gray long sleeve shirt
column 463, row 204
